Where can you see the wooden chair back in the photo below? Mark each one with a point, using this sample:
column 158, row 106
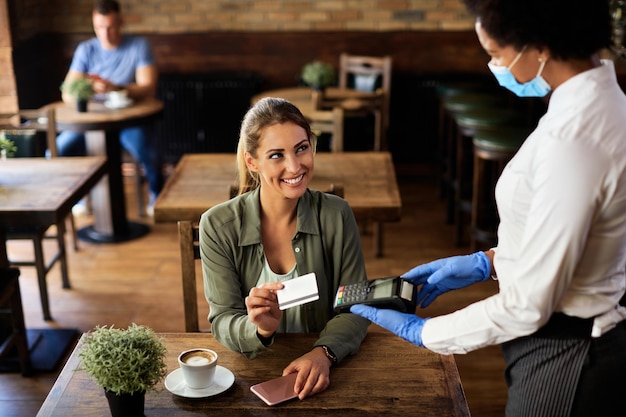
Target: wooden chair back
column 336, row 189
column 188, row 237
column 327, row 121
column 42, row 120
column 352, row 66
column 377, row 72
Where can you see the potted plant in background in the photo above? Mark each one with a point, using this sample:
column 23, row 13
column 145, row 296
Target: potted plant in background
column 126, row 363
column 318, row 75
column 81, row 90
column 7, row 147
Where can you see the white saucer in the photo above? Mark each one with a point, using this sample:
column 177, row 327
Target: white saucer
column 175, row 383
column 119, row 105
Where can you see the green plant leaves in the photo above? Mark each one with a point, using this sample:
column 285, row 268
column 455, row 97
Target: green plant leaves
column 124, row 360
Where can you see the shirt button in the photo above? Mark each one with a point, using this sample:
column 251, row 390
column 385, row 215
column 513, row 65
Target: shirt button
column 297, row 250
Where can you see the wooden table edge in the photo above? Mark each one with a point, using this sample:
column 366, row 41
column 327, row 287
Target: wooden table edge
column 453, row 380
column 62, row 382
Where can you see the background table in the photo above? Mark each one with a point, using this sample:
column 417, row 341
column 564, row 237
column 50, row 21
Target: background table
column 200, row 181
column 102, row 126
column 36, row 192
column 387, row 377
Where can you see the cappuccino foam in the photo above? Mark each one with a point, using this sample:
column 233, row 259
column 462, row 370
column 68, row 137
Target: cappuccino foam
column 198, row 358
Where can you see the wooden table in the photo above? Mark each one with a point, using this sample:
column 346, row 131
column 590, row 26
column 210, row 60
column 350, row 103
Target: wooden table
column 348, row 99
column 102, row 127
column 387, row 377
column 39, row 192
column 201, row 181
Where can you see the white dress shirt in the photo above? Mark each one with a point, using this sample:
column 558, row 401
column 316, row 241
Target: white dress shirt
column 562, row 232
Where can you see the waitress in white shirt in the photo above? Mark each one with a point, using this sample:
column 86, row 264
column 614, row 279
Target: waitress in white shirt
column 561, row 247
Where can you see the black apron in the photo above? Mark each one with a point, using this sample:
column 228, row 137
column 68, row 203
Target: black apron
column 560, row 371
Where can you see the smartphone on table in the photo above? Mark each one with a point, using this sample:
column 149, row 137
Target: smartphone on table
column 277, row 390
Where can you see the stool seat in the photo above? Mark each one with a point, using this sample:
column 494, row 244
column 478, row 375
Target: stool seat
column 502, row 140
column 487, row 118
column 467, row 102
column 452, row 88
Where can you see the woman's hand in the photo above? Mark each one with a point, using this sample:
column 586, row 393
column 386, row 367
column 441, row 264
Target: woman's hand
column 313, row 372
column 262, row 306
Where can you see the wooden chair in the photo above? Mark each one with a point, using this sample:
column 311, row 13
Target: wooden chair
column 188, row 239
column 32, row 124
column 373, row 74
column 327, row 121
column 189, row 253
column 131, row 167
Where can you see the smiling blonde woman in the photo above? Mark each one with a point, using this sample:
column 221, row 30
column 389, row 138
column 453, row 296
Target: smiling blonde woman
column 275, row 230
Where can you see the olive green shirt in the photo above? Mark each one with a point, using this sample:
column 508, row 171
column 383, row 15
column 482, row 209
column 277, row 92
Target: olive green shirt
column 326, row 242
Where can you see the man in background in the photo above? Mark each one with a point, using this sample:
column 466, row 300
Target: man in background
column 114, row 61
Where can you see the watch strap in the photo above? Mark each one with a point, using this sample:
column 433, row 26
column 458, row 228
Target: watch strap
column 329, row 354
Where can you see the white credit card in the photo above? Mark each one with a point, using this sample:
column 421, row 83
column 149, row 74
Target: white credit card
column 299, row 290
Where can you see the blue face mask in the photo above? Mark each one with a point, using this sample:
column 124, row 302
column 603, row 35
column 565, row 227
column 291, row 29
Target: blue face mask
column 537, row 87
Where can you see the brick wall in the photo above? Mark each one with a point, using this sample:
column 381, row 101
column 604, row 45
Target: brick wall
column 8, row 91
column 182, row 16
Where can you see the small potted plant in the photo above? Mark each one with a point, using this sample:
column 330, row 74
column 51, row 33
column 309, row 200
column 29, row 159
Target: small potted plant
column 126, row 363
column 7, row 147
column 81, row 89
column 318, row 75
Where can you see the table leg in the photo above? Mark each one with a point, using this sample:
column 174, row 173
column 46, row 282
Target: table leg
column 14, row 329
column 4, row 258
column 108, row 200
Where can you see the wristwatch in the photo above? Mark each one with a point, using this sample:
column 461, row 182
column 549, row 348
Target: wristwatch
column 329, row 354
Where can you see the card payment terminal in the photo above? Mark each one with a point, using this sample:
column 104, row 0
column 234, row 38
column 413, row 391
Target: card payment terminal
column 389, row 292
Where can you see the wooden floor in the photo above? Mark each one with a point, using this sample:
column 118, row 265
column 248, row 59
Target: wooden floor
column 139, row 281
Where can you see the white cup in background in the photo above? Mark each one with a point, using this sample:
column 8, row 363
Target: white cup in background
column 118, row 97
column 198, row 367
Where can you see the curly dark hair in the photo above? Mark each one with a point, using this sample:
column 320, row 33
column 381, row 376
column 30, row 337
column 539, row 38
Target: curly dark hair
column 570, row 29
column 105, row 7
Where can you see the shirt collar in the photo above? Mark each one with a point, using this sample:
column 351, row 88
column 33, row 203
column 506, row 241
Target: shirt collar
column 251, row 218
column 583, row 84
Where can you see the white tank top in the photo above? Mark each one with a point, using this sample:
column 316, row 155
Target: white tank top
column 292, row 321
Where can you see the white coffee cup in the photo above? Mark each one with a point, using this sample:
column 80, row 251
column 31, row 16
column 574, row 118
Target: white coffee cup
column 118, row 97
column 198, row 367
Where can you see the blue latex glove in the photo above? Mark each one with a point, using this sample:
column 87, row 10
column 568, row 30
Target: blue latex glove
column 407, row 326
column 448, row 274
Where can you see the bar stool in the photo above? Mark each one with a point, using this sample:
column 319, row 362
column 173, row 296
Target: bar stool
column 467, row 124
column 445, row 91
column 492, row 151
column 11, row 306
column 452, row 104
